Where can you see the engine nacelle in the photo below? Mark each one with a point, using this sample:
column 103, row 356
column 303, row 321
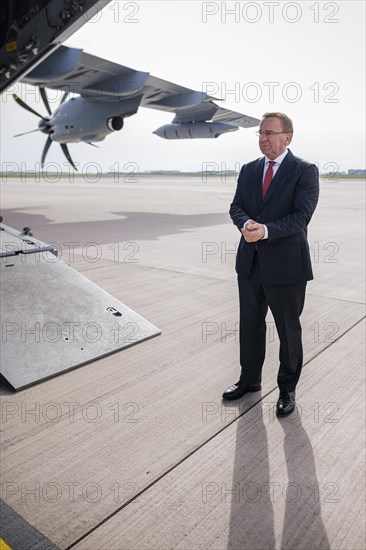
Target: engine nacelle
column 81, row 119
column 115, row 123
column 194, row 130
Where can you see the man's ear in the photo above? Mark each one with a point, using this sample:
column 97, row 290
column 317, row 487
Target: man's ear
column 288, row 139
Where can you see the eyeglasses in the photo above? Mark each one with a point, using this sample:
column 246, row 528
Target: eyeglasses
column 269, row 133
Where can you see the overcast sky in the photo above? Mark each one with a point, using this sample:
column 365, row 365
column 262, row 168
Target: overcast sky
column 303, row 58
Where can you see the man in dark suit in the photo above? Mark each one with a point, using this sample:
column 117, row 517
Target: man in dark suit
column 274, row 201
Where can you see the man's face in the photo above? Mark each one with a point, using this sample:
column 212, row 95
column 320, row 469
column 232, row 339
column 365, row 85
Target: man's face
column 273, row 146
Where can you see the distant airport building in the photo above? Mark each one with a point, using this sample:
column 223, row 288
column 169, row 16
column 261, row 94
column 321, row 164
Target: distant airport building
column 357, row 172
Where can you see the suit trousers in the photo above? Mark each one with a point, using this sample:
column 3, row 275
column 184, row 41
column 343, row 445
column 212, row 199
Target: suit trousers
column 286, row 303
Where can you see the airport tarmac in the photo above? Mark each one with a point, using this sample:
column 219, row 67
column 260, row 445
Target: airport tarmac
column 137, row 450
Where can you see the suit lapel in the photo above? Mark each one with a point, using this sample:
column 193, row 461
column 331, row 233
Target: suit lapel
column 258, row 184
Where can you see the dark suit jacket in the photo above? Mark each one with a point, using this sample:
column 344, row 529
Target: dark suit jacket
column 286, row 210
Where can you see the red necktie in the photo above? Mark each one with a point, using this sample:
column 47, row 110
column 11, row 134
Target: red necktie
column 268, row 178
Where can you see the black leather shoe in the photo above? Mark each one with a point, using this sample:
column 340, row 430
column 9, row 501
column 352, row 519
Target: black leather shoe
column 236, row 391
column 285, row 403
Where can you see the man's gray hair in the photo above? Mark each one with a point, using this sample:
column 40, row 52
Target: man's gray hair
column 286, row 121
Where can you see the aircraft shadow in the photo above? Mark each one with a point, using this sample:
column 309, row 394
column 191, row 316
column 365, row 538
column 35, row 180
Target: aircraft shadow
column 131, row 226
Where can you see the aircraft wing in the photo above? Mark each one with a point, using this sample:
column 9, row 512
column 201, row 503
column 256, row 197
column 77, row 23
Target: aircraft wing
column 73, row 70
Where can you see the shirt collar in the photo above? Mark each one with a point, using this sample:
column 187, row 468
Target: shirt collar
column 277, row 160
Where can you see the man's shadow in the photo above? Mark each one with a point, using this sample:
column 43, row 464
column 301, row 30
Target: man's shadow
column 251, row 521
column 303, row 526
column 256, row 495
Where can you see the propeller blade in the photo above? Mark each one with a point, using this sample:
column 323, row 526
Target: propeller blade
column 67, row 155
column 64, row 97
column 25, row 133
column 45, row 150
column 25, row 106
column 45, row 100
